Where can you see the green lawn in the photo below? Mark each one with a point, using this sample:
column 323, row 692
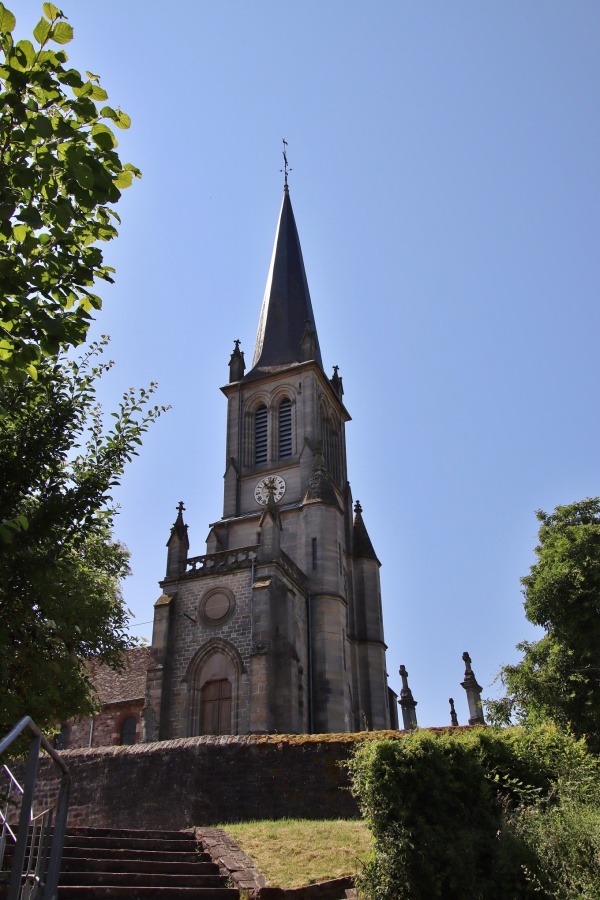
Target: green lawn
column 296, row 852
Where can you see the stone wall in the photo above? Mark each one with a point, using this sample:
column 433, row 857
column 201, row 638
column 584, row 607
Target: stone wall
column 105, row 728
column 208, row 780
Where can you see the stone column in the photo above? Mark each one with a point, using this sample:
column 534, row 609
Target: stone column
column 473, row 693
column 453, row 716
column 154, row 719
column 407, row 702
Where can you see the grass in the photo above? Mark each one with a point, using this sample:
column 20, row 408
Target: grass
column 296, row 852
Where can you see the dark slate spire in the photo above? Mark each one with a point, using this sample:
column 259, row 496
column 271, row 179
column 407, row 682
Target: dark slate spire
column 362, row 548
column 281, row 339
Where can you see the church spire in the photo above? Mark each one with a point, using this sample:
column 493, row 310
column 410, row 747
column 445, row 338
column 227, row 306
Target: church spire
column 362, row 548
column 286, row 311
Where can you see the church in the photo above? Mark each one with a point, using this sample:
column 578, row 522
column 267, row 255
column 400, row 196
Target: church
column 277, row 627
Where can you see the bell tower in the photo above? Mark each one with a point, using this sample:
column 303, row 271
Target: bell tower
column 278, row 626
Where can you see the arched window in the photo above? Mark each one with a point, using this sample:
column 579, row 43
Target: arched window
column 215, row 707
column 331, row 445
column 285, row 428
column 260, row 434
column 61, row 740
column 128, row 730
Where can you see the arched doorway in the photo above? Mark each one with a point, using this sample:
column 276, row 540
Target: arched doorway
column 213, row 684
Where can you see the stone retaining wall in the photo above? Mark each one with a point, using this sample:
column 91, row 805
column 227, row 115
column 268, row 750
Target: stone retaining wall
column 208, row 780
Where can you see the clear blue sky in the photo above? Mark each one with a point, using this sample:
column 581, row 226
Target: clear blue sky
column 446, row 189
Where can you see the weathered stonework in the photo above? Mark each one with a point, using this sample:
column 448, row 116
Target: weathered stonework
column 202, row 781
column 278, row 627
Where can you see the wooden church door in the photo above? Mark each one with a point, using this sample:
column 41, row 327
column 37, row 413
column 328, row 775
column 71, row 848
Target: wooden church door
column 215, row 707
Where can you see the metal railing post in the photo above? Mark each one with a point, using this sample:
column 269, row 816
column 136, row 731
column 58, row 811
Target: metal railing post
column 14, row 886
column 60, row 825
column 39, row 878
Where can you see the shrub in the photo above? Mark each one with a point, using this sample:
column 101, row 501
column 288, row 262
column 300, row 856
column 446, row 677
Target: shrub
column 461, row 815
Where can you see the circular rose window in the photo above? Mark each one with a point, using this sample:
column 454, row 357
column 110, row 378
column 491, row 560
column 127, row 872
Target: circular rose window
column 217, row 606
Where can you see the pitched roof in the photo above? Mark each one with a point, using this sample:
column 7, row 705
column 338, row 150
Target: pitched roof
column 128, row 684
column 286, row 307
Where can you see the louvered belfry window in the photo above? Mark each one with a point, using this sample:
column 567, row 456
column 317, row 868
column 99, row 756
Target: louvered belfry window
column 260, row 435
column 285, row 429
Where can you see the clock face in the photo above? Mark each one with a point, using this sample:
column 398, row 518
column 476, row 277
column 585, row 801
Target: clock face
column 272, row 484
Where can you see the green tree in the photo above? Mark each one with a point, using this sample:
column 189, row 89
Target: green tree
column 60, row 174
column 60, row 567
column 60, row 596
column 558, row 678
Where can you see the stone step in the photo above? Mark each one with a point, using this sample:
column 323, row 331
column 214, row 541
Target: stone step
column 153, row 834
column 120, row 892
column 81, row 892
column 112, row 864
column 139, row 879
column 167, row 856
column 137, row 843
column 143, row 855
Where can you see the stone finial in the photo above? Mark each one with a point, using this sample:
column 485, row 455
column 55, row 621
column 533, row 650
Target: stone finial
column 337, row 383
column 237, row 364
column 407, row 703
column 178, row 544
column 473, row 691
column 453, row 716
column 320, row 486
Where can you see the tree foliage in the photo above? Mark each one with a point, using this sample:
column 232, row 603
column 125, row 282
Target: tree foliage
column 480, row 813
column 60, row 176
column 558, row 678
column 60, row 597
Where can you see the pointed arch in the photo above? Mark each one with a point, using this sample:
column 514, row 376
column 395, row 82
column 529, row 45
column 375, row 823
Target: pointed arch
column 256, row 439
column 213, row 679
column 331, row 441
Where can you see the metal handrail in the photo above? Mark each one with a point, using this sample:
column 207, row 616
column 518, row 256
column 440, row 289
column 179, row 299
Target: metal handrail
column 4, row 815
column 39, row 880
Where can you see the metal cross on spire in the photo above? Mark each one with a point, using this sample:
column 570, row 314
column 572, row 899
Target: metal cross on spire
column 286, row 168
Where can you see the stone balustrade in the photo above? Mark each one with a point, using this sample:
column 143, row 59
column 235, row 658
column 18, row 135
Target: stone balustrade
column 241, row 558
column 224, row 561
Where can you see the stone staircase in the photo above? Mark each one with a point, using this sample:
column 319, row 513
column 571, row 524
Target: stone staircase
column 136, row 865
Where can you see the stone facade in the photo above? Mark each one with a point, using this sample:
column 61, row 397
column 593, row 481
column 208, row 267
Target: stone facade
column 278, row 626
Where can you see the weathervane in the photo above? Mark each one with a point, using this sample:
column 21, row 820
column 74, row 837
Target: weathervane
column 286, row 168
